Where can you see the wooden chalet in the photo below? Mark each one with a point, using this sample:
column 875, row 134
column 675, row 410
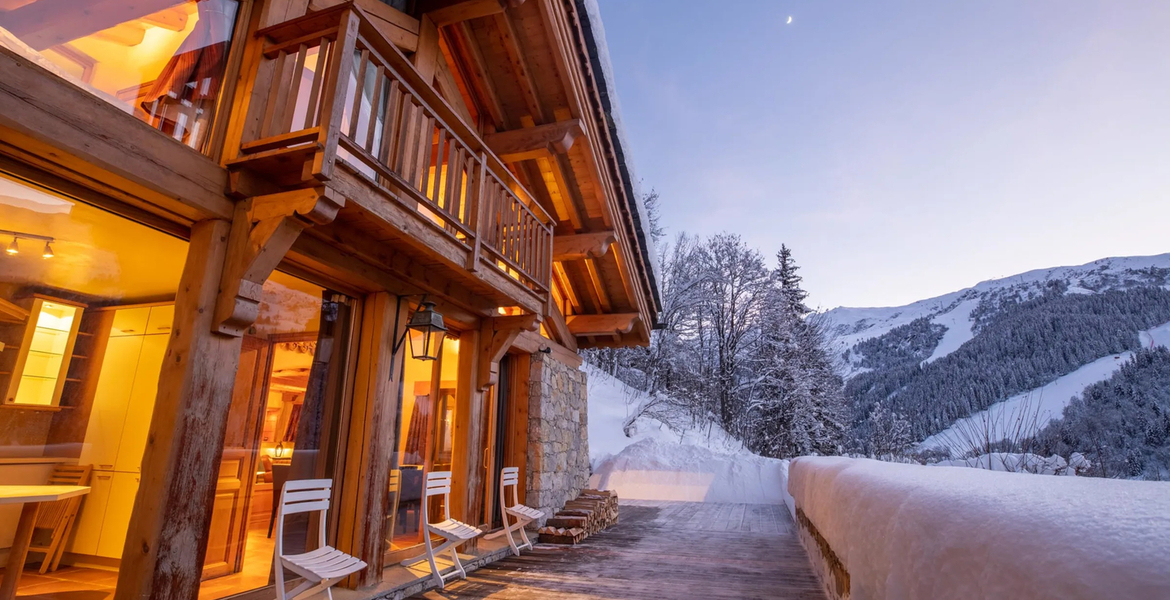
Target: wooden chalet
column 220, row 219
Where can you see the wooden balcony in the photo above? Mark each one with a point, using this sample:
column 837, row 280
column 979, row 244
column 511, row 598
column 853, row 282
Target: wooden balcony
column 333, row 101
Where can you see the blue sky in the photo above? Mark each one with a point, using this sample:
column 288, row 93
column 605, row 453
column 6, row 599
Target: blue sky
column 903, row 149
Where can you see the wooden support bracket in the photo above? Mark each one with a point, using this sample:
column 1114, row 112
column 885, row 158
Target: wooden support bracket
column 598, row 325
column 263, row 229
column 496, row 335
column 541, row 141
column 582, row 245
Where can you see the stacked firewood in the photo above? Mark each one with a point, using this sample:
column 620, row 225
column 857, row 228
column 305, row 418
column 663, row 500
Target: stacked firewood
column 592, row 511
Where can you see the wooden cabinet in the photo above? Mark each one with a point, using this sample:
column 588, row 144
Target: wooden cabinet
column 111, row 400
column 119, row 424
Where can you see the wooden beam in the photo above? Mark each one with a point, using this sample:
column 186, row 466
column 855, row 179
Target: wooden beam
column 519, row 67
column 559, row 328
column 535, row 142
column 597, row 325
column 398, row 27
column 582, row 245
column 166, row 541
column 496, row 335
column 47, row 23
column 426, row 58
column 263, row 230
column 532, row 342
column 449, row 12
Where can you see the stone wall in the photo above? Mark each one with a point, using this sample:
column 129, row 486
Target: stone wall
column 558, row 439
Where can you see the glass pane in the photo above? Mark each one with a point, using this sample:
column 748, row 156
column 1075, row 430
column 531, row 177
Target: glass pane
column 162, row 61
column 86, row 329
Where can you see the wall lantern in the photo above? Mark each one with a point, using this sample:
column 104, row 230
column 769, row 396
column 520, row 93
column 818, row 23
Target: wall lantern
column 426, row 332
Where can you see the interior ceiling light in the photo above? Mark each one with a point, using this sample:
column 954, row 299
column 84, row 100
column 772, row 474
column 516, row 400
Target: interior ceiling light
column 12, row 249
column 48, row 253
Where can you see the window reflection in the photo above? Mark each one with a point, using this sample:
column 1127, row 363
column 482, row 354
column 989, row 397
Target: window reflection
column 425, row 439
column 161, row 60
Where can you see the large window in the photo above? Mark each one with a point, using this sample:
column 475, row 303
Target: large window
column 161, row 60
column 86, row 310
column 426, row 419
column 282, row 425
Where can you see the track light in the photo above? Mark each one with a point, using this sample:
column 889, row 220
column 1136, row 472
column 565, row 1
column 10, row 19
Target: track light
column 12, row 249
column 48, row 253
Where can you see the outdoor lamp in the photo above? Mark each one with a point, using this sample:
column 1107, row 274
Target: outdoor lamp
column 426, row 331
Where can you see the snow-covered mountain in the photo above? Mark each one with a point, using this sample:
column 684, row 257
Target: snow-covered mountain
column 849, row 326
column 987, row 358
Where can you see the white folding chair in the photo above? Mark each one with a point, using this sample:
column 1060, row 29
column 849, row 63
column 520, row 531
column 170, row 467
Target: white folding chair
column 321, row 568
column 510, row 477
column 453, row 532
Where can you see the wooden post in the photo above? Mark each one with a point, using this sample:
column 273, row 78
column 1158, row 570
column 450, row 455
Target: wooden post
column 167, row 537
column 377, row 385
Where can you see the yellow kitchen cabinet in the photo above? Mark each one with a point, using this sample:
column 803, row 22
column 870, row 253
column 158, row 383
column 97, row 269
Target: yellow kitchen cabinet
column 111, row 399
column 88, row 528
column 141, row 403
column 121, row 504
column 130, row 321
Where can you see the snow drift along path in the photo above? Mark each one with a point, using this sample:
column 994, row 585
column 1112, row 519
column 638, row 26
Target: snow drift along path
column 911, row 532
column 659, row 463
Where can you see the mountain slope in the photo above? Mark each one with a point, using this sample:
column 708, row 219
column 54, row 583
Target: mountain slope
column 849, row 326
column 944, row 359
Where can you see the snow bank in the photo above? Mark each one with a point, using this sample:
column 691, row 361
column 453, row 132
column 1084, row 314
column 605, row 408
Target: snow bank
column 656, row 462
column 655, row 470
column 914, row 532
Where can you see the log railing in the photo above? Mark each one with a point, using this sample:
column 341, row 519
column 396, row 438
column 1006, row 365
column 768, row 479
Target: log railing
column 328, row 86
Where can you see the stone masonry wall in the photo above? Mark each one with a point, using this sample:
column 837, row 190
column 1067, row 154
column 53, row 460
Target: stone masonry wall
column 558, row 439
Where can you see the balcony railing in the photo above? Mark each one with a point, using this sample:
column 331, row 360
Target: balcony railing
column 328, row 86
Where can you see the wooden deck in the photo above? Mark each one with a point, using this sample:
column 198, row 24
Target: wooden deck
column 660, row 550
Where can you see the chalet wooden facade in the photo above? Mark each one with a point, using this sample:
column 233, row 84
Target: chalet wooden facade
column 219, row 218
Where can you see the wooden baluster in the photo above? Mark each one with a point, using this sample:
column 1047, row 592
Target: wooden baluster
column 313, row 111
column 423, row 156
column 405, row 135
column 274, row 95
column 294, row 84
column 359, row 87
column 376, row 110
column 478, row 223
column 457, row 198
column 390, row 124
column 452, row 191
column 436, row 194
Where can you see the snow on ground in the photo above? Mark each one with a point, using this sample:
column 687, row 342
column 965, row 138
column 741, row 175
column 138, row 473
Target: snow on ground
column 660, row 463
column 959, row 329
column 1024, row 414
column 911, row 532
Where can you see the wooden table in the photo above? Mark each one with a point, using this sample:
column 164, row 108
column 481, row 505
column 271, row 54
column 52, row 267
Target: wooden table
column 31, row 496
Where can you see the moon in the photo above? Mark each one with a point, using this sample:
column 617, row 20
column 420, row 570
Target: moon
column 789, row 21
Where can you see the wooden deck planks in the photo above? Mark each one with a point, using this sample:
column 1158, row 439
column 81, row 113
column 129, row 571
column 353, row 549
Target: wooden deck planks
column 660, row 550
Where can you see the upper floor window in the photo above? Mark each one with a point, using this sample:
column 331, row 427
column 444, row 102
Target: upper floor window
column 161, row 60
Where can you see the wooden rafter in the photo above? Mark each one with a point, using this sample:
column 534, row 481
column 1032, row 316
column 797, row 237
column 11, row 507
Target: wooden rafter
column 535, row 142
column 582, row 245
column 601, row 325
column 599, row 288
column 263, row 229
